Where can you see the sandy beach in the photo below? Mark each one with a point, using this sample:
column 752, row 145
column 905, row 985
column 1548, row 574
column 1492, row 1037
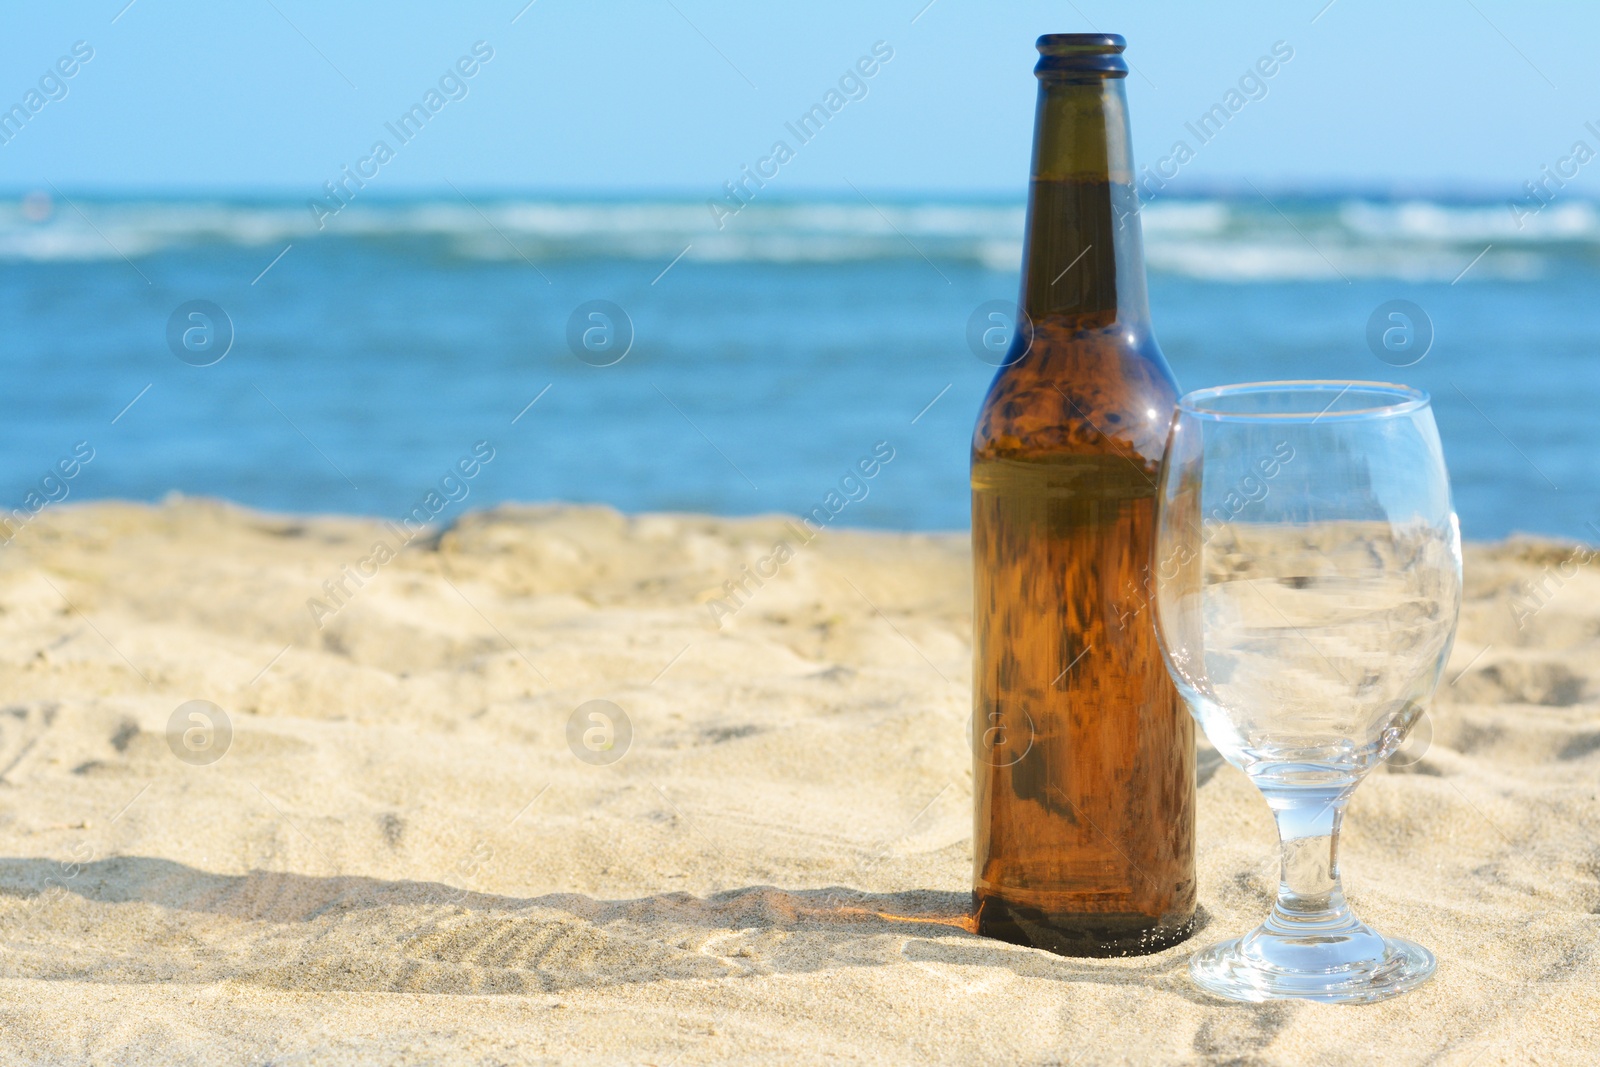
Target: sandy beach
column 400, row 857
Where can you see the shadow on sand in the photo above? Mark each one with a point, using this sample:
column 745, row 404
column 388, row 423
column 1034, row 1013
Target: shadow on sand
column 350, row 932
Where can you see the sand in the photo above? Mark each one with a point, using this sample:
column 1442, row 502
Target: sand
column 399, row 857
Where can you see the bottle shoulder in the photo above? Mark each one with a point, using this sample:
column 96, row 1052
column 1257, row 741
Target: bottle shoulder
column 1095, row 391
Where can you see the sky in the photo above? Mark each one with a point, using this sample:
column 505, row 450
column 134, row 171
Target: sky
column 674, row 96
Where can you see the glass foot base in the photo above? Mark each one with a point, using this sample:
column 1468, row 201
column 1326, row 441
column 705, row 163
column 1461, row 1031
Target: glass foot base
column 1356, row 966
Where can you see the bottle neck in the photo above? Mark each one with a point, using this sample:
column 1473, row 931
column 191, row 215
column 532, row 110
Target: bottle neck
column 1083, row 261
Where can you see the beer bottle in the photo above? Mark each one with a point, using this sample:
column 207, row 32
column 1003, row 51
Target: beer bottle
column 1084, row 773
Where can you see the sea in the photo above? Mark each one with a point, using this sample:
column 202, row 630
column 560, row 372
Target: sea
column 632, row 352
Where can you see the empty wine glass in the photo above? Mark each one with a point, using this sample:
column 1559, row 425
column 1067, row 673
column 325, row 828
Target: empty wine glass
column 1308, row 579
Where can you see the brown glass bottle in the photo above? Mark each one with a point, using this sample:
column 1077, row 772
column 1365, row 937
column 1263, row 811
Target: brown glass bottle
column 1084, row 756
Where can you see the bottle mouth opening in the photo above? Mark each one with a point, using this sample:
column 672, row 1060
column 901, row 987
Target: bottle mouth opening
column 1081, row 53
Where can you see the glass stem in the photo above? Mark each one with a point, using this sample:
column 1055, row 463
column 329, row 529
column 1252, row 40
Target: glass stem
column 1310, row 898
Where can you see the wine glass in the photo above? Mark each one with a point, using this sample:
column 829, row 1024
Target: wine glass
column 1308, row 578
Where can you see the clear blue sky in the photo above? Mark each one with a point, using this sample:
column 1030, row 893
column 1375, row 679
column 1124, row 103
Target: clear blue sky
column 674, row 95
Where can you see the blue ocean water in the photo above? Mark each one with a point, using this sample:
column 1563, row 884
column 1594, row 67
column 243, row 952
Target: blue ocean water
column 762, row 360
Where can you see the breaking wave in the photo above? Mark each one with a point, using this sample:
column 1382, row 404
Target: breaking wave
column 1216, row 238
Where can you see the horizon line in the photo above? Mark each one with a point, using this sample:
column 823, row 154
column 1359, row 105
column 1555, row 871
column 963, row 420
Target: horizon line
column 1219, row 189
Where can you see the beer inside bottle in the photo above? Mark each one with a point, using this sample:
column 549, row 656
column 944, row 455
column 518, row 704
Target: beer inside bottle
column 1084, row 770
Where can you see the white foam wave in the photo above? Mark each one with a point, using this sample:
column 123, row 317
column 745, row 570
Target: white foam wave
column 1238, row 240
column 1184, row 217
column 1427, row 221
column 1260, row 261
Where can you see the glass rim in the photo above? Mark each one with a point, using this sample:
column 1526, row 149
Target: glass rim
column 1405, row 400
